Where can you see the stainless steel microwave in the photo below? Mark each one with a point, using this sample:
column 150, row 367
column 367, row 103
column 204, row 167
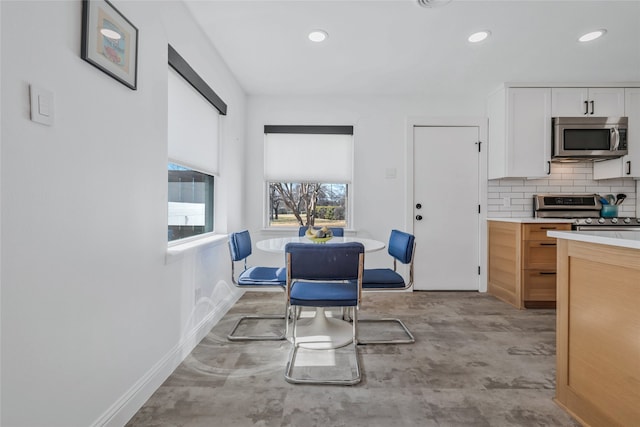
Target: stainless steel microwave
column 589, row 138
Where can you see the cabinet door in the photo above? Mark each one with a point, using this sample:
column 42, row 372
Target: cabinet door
column 529, row 132
column 607, row 102
column 597, row 102
column 569, row 101
column 629, row 165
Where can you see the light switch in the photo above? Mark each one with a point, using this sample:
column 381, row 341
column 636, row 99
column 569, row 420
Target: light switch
column 41, row 105
column 390, row 173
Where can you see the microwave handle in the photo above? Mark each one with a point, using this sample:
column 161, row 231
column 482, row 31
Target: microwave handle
column 615, row 139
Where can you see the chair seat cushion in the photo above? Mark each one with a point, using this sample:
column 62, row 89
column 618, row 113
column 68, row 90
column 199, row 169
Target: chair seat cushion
column 381, row 278
column 263, row 276
column 324, row 294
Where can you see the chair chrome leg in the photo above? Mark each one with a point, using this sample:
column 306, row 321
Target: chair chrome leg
column 232, row 337
column 288, row 374
column 409, row 340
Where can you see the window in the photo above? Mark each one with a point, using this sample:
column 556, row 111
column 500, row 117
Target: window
column 190, row 202
column 193, row 127
column 308, row 171
column 304, row 203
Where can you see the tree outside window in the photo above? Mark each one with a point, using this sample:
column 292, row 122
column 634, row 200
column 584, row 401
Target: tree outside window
column 294, row 204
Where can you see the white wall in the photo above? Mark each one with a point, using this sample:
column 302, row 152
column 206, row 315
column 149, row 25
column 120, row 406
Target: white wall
column 93, row 318
column 565, row 178
column 379, row 203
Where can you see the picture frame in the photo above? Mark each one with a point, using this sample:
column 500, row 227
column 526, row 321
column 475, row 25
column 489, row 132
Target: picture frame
column 110, row 41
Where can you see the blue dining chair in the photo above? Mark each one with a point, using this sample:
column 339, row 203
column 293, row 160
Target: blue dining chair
column 324, row 276
column 336, row 231
column 254, row 278
column 401, row 248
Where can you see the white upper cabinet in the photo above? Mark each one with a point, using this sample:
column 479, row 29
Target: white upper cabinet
column 597, row 102
column 519, row 132
column 629, row 165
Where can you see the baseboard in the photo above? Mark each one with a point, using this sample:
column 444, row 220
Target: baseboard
column 128, row 404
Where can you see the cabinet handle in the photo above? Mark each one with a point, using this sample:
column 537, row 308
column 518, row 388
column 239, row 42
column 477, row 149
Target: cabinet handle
column 592, row 107
column 547, row 273
column 629, row 167
column 586, row 107
column 548, row 167
column 547, row 244
column 548, row 228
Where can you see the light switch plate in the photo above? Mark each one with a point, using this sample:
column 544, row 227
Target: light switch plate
column 390, row 173
column 41, row 105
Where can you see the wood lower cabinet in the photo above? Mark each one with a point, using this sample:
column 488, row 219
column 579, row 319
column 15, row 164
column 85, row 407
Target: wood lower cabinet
column 598, row 333
column 522, row 263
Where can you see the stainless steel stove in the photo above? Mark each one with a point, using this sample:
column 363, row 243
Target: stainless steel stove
column 583, row 208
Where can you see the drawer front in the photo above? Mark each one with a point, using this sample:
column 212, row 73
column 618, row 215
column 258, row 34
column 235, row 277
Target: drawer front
column 540, row 254
column 539, row 231
column 539, row 285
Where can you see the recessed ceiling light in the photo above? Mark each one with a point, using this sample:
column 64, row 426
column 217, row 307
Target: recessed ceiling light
column 479, row 36
column 592, row 35
column 114, row 35
column 318, row 36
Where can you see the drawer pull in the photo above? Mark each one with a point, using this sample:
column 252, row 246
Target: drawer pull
column 548, row 228
column 547, row 273
column 548, row 244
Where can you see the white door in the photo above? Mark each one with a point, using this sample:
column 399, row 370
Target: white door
column 445, row 210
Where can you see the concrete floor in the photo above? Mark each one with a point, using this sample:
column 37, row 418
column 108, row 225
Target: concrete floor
column 476, row 362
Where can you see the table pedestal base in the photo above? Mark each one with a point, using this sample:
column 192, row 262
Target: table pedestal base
column 322, row 332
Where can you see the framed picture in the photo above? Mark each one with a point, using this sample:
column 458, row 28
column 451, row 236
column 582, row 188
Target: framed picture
column 110, row 41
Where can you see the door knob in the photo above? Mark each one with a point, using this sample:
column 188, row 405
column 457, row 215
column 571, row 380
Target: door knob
column 418, row 206
column 419, row 217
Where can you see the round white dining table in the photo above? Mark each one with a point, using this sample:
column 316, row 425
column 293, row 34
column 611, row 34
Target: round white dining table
column 321, row 331
column 277, row 244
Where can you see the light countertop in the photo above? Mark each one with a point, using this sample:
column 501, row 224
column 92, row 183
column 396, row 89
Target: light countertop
column 623, row 239
column 533, row 220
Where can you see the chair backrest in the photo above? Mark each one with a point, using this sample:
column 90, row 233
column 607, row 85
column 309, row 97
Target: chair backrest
column 336, row 231
column 341, row 261
column 240, row 245
column 401, row 246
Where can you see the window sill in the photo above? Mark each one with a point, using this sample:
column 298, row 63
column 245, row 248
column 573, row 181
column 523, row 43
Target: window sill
column 178, row 251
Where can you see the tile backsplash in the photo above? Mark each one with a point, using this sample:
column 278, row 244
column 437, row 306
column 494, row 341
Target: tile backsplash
column 513, row 197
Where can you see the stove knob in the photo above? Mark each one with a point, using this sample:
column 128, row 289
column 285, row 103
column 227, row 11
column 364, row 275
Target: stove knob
column 614, row 220
column 600, row 220
column 588, row 221
column 627, row 220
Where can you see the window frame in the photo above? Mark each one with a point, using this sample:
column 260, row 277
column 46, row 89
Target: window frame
column 317, row 130
column 209, row 192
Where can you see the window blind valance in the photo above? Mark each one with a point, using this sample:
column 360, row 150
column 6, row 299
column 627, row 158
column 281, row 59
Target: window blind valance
column 308, row 157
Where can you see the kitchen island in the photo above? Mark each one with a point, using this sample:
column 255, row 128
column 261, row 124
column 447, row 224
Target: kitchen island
column 598, row 326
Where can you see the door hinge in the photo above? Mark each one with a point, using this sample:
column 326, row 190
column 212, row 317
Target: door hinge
column 479, row 144
column 478, row 270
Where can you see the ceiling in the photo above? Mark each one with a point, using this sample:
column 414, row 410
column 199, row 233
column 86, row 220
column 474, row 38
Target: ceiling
column 396, row 47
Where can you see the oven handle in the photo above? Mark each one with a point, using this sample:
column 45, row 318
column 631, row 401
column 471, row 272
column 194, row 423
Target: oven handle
column 607, row 228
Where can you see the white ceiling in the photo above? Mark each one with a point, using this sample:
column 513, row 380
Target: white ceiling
column 396, row 47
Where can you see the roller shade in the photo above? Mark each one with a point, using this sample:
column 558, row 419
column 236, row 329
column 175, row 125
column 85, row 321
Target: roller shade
column 192, row 127
column 305, row 157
